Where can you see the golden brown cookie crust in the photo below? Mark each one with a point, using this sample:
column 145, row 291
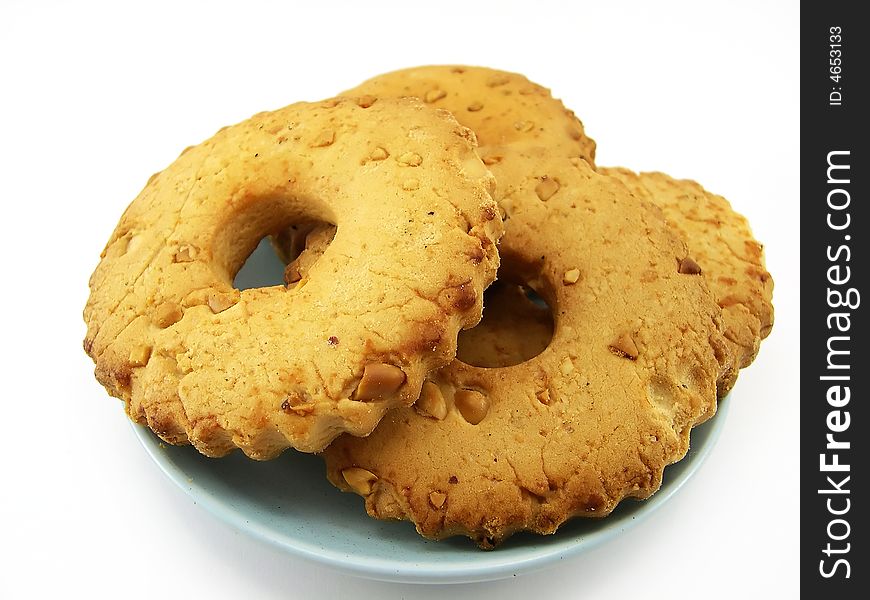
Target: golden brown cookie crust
column 730, row 258
column 502, row 108
column 268, row 368
column 636, row 352
column 632, row 367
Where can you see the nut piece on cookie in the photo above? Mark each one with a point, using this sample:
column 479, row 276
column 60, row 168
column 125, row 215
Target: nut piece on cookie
column 378, row 381
column 571, row 276
column 624, row 346
column 431, row 402
column 221, row 301
column 472, row 405
column 689, row 267
column 139, row 355
column 546, row 188
column 360, row 480
column 437, row 499
column 167, row 314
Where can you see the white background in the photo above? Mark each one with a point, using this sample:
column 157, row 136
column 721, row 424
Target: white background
column 95, row 98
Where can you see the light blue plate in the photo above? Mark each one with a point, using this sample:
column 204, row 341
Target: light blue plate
column 289, row 503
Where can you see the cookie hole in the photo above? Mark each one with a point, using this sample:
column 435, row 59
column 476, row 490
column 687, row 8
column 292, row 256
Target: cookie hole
column 301, row 246
column 290, row 242
column 263, row 268
column 285, row 258
column 517, row 325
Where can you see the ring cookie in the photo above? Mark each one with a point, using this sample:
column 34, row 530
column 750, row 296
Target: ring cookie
column 632, row 366
column 264, row 369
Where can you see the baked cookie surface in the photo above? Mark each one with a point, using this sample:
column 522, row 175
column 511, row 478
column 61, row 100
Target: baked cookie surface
column 636, row 352
column 730, row 258
column 264, row 369
column 504, row 109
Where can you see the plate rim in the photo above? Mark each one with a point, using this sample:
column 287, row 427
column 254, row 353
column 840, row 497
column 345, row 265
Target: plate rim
column 379, row 569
